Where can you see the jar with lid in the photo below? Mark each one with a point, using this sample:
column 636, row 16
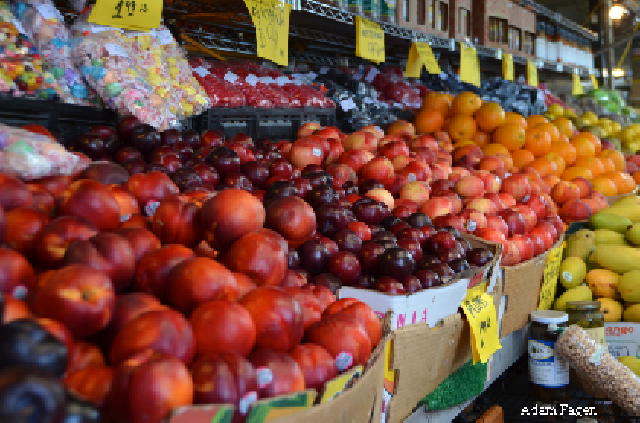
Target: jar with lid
column 588, row 316
column 548, row 373
column 541, row 40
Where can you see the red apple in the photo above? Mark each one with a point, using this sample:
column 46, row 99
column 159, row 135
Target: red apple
column 42, row 199
column 510, row 254
column 223, row 327
column 305, row 152
column 108, row 253
column 150, row 188
column 342, row 334
column 92, row 383
column 262, row 255
column 312, row 308
column 212, row 138
column 514, row 220
column 284, row 374
column 55, row 185
column 222, row 379
column 13, row 193
column 127, row 203
column 165, row 331
column 77, row 296
column 152, row 270
column 16, row 274
column 380, row 169
column 292, row 218
column 84, row 355
column 141, row 241
column 91, row 201
column 278, row 318
column 524, row 245
column 355, row 159
column 106, row 173
column 198, row 280
column 317, row 365
column 52, row 241
column 365, row 315
column 175, row 222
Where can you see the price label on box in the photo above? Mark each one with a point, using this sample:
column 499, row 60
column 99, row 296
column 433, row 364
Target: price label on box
column 532, row 73
column 483, row 321
column 550, row 280
column 469, row 65
column 420, row 55
column 369, row 40
column 507, row 67
column 594, row 81
column 271, row 19
column 137, row 15
column 576, row 87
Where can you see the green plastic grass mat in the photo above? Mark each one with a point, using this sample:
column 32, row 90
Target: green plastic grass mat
column 464, row 384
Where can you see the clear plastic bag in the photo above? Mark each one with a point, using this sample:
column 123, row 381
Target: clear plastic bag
column 32, row 156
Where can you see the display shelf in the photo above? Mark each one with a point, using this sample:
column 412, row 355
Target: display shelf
column 557, row 17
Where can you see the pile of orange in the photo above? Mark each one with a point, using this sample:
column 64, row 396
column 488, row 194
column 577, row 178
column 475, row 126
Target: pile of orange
column 553, row 149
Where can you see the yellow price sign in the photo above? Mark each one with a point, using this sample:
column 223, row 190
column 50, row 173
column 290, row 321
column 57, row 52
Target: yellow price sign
column 420, row 55
column 576, row 87
column 369, row 40
column 594, row 81
column 550, row 280
column 271, row 19
column 532, row 73
column 141, row 15
column 482, row 316
column 507, row 66
column 469, row 65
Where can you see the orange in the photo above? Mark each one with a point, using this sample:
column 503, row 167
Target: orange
column 511, row 117
column 616, row 157
column 564, row 125
column 636, row 176
column 566, row 151
column 533, row 120
column 538, row 142
column 489, row 116
column 563, row 138
column 511, row 135
column 544, row 166
column 465, row 103
column 607, row 164
column 461, row 127
column 592, row 163
column 549, row 128
column 437, row 102
column 462, row 143
column 584, row 147
column 494, row 150
column 522, row 158
column 591, row 138
column 624, row 182
column 558, row 160
column 428, row 121
column 604, row 186
column 551, row 180
column 573, row 172
column 461, row 151
column 481, row 139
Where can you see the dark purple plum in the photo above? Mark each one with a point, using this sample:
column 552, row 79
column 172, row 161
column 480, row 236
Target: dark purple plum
column 345, row 265
column 329, row 281
column 383, row 236
column 459, row 265
column 322, row 195
column 418, row 220
column 479, row 257
column 332, row 218
column 397, row 263
column 186, row 178
column 369, row 256
column 191, row 137
column 170, row 137
column 304, row 187
column 319, row 178
column 389, row 285
column 134, row 166
column 370, row 184
column 256, row 172
column 410, row 233
column 389, row 221
column 225, row 160
column 443, row 270
column 145, row 138
column 411, row 284
column 314, row 256
column 280, row 189
column 309, row 169
column 281, row 168
column 413, row 247
column 365, row 282
column 185, row 151
column 237, row 181
column 428, row 278
column 348, row 241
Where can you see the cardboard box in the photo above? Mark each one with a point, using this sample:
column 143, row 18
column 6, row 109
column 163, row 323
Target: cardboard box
column 522, row 284
column 460, row 23
column 485, row 13
column 623, row 338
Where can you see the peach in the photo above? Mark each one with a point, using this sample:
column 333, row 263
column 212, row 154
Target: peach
column 417, row 191
column 456, row 201
column 516, row 185
column 410, row 205
column 375, row 130
column 584, row 185
column 401, row 128
column 539, row 205
column 308, row 128
column 355, row 159
column 491, row 182
column 482, row 205
column 444, row 156
column 496, row 200
column 458, row 173
column 380, row 169
column 469, row 186
column 473, row 220
column 491, row 234
column 383, row 196
column 507, row 199
column 510, row 254
column 552, row 207
column 491, row 163
column 575, row 210
column 440, row 171
column 388, row 139
column 400, row 162
column 498, row 223
column 424, row 141
column 361, row 141
column 565, row 191
column 551, row 180
column 530, row 217
column 437, row 206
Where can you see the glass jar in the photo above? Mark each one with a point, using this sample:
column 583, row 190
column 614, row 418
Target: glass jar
column 541, row 40
column 548, row 374
column 588, row 316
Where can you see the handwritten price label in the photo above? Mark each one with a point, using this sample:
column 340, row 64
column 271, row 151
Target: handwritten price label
column 532, row 73
column 550, row 281
column 469, row 65
column 482, row 317
column 576, row 87
column 132, row 14
column 594, row 81
column 369, row 40
column 271, row 19
column 421, row 55
column 507, row 66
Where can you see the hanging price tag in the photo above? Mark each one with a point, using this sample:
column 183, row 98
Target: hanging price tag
column 532, row 74
column 550, row 281
column 137, row 15
column 369, row 40
column 594, row 81
column 421, row 55
column 271, row 19
column 469, row 65
column 507, row 67
column 483, row 320
column 576, row 87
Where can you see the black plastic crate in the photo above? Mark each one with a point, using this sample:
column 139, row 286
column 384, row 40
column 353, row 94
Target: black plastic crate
column 271, row 124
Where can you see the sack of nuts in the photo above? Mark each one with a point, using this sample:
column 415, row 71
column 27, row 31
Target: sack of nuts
column 597, row 366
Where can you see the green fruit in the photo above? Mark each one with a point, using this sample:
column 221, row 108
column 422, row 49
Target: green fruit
column 591, row 262
column 606, row 236
column 633, row 363
column 579, row 293
column 629, row 286
column 618, row 258
column 572, row 272
column 633, row 234
column 613, row 222
column 580, row 244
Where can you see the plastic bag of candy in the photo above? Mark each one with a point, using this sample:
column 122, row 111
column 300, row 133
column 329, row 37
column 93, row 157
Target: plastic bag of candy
column 44, row 24
column 103, row 56
column 29, row 156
